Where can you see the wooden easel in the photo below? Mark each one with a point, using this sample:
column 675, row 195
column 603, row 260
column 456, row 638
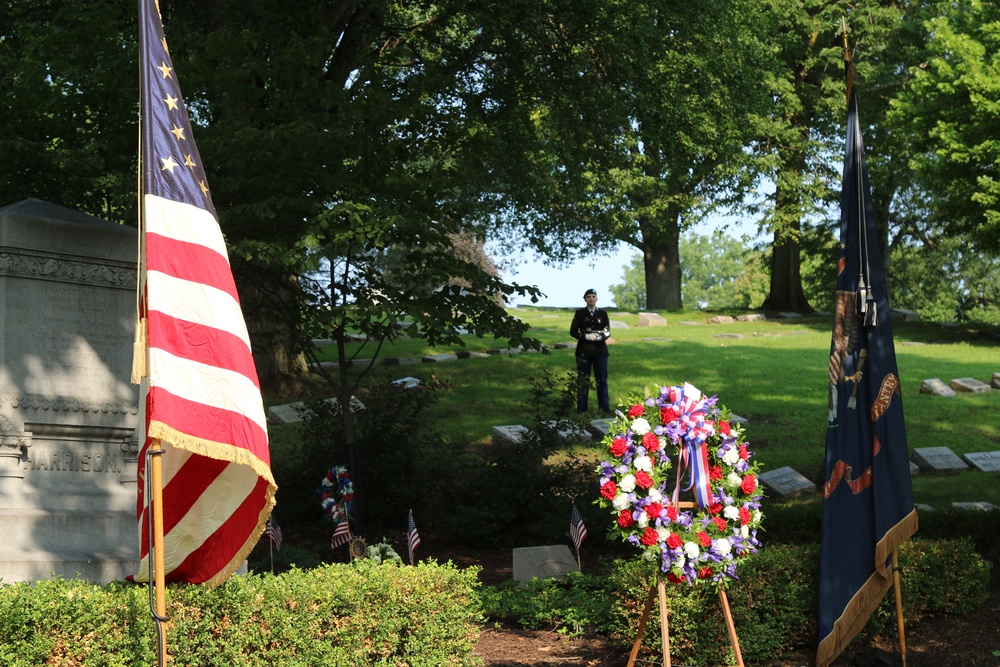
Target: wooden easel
column 660, row 590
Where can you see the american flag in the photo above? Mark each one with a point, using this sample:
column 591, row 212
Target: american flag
column 412, row 536
column 202, row 399
column 341, row 535
column 577, row 529
column 273, row 533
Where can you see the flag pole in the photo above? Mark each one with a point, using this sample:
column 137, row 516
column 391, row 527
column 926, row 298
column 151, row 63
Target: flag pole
column 898, row 594
column 154, row 464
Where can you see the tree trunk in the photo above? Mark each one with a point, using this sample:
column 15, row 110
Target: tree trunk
column 661, row 262
column 271, row 315
column 786, row 293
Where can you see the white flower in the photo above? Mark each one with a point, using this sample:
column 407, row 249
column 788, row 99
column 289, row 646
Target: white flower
column 621, row 502
column 691, row 550
column 662, row 533
column 627, row 484
column 663, row 443
column 731, row 512
column 731, row 456
column 640, row 426
column 643, row 463
column 756, row 516
column 643, row 520
column 655, row 495
column 745, row 531
column 723, row 546
column 649, row 554
column 732, row 479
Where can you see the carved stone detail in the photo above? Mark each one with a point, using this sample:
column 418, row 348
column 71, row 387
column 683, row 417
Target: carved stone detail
column 48, row 267
column 61, row 404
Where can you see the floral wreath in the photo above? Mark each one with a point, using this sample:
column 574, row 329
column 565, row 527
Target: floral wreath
column 336, row 494
column 702, row 545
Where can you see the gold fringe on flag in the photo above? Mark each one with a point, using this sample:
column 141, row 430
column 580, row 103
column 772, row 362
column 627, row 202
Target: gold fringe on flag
column 140, row 351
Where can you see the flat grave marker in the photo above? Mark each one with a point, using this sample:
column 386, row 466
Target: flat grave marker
column 985, row 461
column 938, row 459
column 546, row 562
column 787, row 482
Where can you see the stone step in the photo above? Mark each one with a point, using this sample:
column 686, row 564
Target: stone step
column 67, row 531
column 98, row 567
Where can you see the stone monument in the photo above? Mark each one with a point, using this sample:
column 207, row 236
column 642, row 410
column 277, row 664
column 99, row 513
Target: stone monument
column 68, row 412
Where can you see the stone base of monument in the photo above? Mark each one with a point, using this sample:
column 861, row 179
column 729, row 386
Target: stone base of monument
column 68, row 411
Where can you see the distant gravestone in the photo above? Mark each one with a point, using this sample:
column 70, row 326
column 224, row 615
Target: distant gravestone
column 407, row 382
column 686, row 323
column 985, row 461
column 737, row 336
column 468, row 354
column 293, row 413
column 569, row 432
column 938, row 459
column 509, row 435
column 914, row 469
column 981, row 506
column 599, row 427
column 721, row 319
column 921, row 507
column 617, row 324
column 936, row 387
column 68, row 410
column 651, row 320
column 970, row 385
column 786, row 482
column 996, row 381
column 752, row 317
column 433, row 358
column 547, row 562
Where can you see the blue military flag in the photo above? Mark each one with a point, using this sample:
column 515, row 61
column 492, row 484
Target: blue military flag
column 867, row 496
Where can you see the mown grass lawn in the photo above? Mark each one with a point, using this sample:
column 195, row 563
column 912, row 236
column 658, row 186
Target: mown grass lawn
column 773, row 373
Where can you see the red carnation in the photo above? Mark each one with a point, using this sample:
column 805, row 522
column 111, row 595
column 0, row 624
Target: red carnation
column 636, row 410
column 748, row 484
column 704, row 539
column 643, row 480
column 625, row 519
column 674, row 579
column 672, row 513
column 653, row 510
column 724, row 428
column 674, row 541
column 715, row 508
column 649, row 536
column 609, row 490
column 619, row 446
column 650, row 442
column 720, row 523
column 705, row 573
column 744, row 516
column 744, row 454
column 715, row 473
column 668, row 415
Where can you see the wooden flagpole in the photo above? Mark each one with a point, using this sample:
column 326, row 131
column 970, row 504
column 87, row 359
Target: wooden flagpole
column 898, row 593
column 154, row 464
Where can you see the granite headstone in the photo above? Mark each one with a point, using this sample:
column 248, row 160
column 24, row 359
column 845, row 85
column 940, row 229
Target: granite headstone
column 68, row 411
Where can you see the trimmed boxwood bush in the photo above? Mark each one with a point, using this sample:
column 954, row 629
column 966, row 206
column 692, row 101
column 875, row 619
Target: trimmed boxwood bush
column 775, row 601
column 362, row 615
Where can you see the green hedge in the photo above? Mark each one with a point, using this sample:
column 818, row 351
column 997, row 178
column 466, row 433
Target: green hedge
column 362, row 614
column 775, row 601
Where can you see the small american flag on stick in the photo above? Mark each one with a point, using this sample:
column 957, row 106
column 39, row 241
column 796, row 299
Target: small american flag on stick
column 341, row 535
column 273, row 533
column 577, row 529
column 412, row 536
